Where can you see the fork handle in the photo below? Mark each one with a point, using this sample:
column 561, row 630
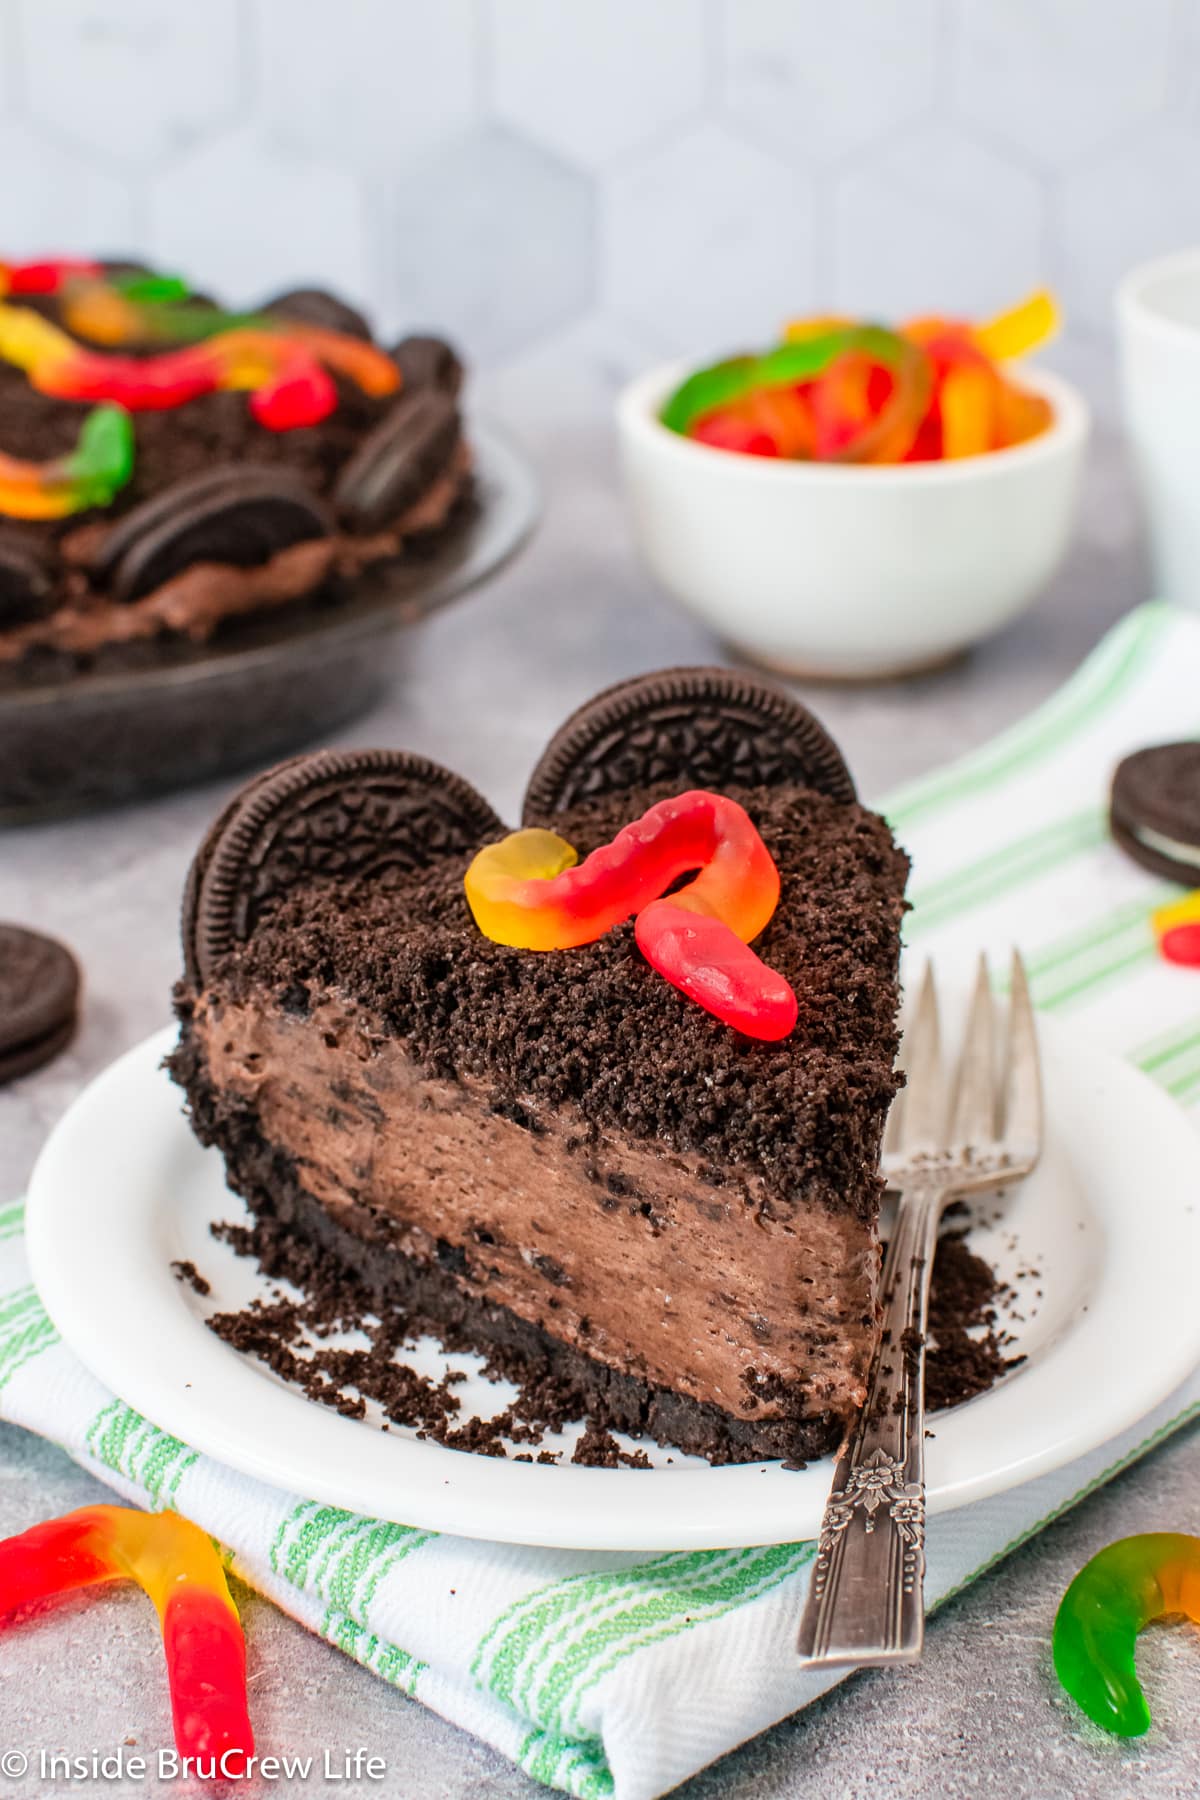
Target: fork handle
column 866, row 1598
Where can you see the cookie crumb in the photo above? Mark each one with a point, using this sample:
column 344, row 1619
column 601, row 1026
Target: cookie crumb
column 186, row 1270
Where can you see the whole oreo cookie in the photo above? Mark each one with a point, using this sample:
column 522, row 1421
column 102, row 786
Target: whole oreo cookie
column 342, row 813
column 399, row 460
column 26, row 583
column 1154, row 811
column 315, row 306
column 428, row 362
column 240, row 514
column 699, row 728
column 39, row 995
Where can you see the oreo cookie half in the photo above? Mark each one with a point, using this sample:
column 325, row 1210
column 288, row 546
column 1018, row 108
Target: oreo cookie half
column 399, row 460
column 39, row 995
column 26, row 583
column 701, row 728
column 428, row 362
column 315, row 306
column 1154, row 812
column 357, row 814
column 240, row 514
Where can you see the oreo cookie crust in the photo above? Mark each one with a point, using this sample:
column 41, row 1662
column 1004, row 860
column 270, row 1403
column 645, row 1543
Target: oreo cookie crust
column 39, row 994
column 558, row 1157
column 1154, row 811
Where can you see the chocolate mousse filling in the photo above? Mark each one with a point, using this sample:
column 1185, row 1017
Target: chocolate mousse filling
column 560, row 1157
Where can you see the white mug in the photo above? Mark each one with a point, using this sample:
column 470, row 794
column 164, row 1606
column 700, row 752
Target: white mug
column 1158, row 318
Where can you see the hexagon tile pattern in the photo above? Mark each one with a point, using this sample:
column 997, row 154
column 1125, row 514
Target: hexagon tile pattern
column 545, row 180
column 590, row 82
column 1058, row 78
column 245, row 219
column 131, row 81
column 936, row 223
column 492, row 241
column 8, row 61
column 1140, row 200
column 707, row 243
column 820, row 80
column 370, row 82
column 60, row 199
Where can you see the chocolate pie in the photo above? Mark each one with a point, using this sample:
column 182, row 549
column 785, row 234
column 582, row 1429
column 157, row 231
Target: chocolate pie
column 557, row 1156
column 222, row 509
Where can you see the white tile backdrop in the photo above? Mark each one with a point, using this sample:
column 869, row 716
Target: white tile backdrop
column 573, row 187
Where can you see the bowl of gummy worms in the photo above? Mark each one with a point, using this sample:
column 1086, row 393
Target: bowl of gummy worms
column 858, row 501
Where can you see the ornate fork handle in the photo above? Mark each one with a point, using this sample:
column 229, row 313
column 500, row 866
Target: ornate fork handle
column 866, row 1599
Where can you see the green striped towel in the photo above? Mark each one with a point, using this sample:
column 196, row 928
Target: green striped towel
column 622, row 1675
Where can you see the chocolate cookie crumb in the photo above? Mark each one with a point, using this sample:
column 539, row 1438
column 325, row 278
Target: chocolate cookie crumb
column 963, row 1300
column 966, row 1351
column 597, row 1448
column 186, row 1270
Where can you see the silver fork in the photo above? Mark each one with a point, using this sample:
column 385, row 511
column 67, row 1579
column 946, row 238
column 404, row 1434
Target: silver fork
column 866, row 1599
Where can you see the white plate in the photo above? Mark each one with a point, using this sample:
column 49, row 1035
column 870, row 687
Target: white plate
column 1110, row 1222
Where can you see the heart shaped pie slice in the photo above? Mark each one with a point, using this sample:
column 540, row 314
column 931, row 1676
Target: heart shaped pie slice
column 460, row 1068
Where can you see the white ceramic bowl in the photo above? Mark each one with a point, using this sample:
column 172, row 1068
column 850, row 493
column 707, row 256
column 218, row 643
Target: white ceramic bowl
column 841, row 572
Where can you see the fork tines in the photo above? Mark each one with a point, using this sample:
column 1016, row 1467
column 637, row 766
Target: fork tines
column 983, row 1117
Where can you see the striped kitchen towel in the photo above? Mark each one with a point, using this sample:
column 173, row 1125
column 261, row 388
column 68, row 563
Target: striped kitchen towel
column 622, row 1675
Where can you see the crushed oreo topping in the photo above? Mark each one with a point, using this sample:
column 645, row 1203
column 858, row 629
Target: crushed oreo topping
column 595, row 1028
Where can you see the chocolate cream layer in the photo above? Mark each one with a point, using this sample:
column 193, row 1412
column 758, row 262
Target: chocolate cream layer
column 625, row 1252
column 565, row 1131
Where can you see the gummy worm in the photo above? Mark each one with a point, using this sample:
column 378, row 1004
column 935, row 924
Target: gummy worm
column 59, row 274
column 174, row 1562
column 728, row 381
column 47, row 276
column 1021, row 329
column 839, row 361
column 290, row 387
column 115, row 314
column 1177, row 930
column 1121, row 1590
column 850, row 428
column 98, row 467
column 527, row 892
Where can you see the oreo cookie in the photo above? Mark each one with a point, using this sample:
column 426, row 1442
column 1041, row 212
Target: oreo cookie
column 361, row 815
column 1154, row 811
column 694, row 728
column 240, row 514
column 26, row 582
column 315, row 306
column 39, row 997
column 398, row 462
column 428, row 362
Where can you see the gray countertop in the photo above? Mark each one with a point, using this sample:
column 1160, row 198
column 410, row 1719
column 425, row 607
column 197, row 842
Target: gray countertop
column 484, row 685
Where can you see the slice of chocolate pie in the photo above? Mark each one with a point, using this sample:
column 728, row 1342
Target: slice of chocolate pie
column 558, row 1155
